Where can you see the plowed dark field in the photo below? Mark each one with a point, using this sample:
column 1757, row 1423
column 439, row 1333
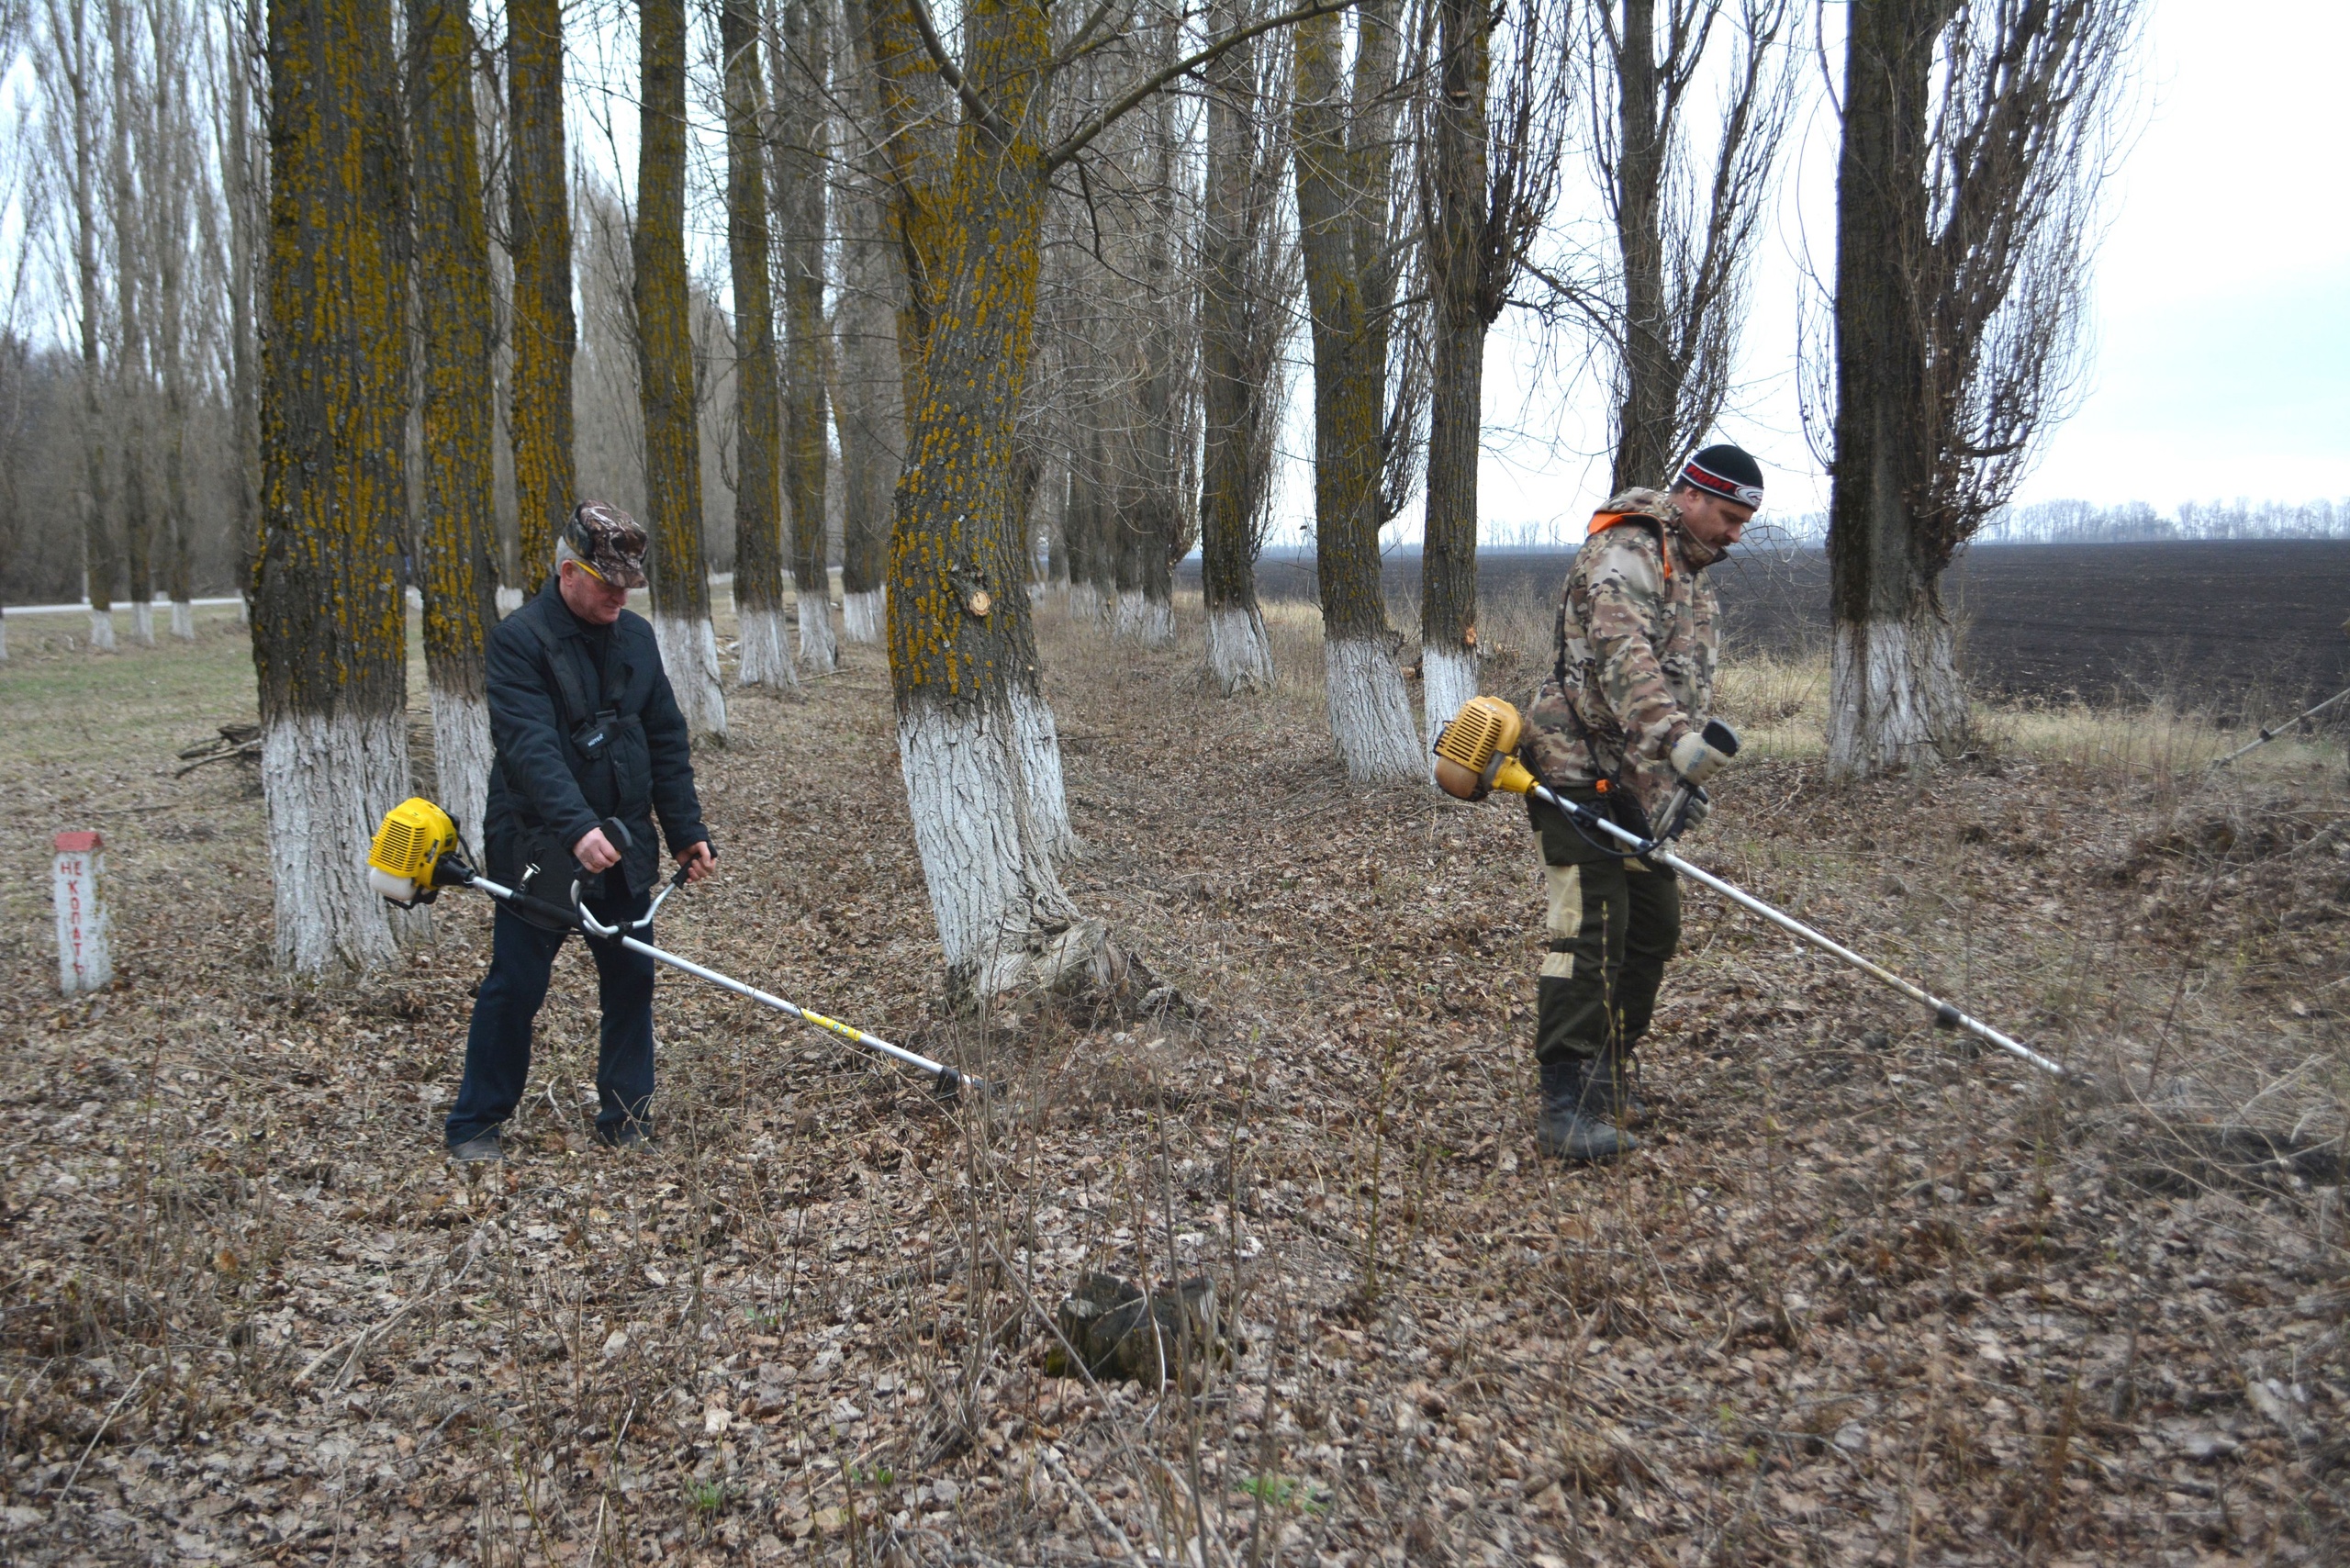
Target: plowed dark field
column 2252, row 624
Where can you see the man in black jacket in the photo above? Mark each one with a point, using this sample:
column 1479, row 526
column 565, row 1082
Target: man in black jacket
column 586, row 729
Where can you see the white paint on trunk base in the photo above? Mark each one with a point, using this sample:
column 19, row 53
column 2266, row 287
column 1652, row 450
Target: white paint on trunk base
column 142, row 624
column 1156, row 627
column 509, row 599
column 818, row 650
column 3, row 639
column 462, row 753
column 1894, row 698
column 690, row 655
column 1240, row 656
column 1001, row 911
column 1039, row 743
column 183, row 620
column 1448, row 678
column 1370, row 712
column 328, row 782
column 1085, row 604
column 102, row 631
column 761, row 658
column 862, row 615
column 84, row 964
column 1125, row 620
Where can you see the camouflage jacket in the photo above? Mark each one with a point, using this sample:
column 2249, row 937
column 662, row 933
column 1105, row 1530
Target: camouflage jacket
column 1637, row 646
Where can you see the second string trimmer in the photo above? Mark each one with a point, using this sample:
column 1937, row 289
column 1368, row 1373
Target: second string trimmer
column 1476, row 752
column 416, row 853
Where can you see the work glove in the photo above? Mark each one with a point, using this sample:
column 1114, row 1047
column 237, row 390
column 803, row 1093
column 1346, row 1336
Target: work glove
column 1694, row 815
column 1696, row 756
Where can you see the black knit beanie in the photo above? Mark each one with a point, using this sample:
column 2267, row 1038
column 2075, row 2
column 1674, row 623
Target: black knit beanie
column 1726, row 471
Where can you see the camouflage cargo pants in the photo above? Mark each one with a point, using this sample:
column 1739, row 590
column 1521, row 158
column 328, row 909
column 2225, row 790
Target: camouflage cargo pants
column 1612, row 923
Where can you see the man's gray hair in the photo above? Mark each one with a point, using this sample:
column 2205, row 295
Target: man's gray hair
column 564, row 551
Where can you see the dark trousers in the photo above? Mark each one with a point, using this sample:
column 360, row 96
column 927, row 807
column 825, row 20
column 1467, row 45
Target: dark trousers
column 498, row 1047
column 1612, row 923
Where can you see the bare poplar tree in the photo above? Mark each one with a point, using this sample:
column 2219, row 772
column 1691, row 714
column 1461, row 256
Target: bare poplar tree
column 244, row 190
column 1976, row 135
column 1353, row 244
column 802, row 154
column 980, row 753
column 133, row 381
column 1487, row 189
column 1684, row 224
column 666, row 382
column 763, row 659
column 455, row 569
column 866, row 383
column 179, row 189
column 328, row 617
column 1249, row 274
column 545, row 332
column 72, row 61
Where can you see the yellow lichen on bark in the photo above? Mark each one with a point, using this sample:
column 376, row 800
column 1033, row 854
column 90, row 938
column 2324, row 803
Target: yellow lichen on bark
column 545, row 331
column 455, row 572
column 328, row 633
column 664, row 339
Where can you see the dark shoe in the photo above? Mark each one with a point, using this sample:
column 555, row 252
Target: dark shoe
column 628, row 1135
column 1572, row 1127
column 480, row 1146
column 1614, row 1092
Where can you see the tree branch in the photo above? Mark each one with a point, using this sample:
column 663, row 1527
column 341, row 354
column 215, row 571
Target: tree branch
column 1075, row 142
column 952, row 75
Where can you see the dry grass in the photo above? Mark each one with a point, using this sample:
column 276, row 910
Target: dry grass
column 1863, row 1298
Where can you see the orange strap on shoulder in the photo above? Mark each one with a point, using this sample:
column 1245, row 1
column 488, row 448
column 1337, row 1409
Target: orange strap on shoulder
column 1601, row 521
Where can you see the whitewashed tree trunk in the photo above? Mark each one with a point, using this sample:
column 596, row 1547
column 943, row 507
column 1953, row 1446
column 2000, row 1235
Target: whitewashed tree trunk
column 1125, row 622
column 102, row 631
column 761, row 658
column 462, row 752
column 1038, row 741
column 1085, row 604
column 1002, row 917
column 1154, row 628
column 1370, row 712
column 862, row 615
column 142, row 624
column 3, row 639
column 818, row 648
column 689, row 654
column 509, row 599
column 183, row 620
column 1448, row 678
column 328, row 782
column 1241, row 657
column 1894, row 698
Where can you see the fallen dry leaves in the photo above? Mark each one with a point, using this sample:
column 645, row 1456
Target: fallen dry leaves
column 1861, row 1298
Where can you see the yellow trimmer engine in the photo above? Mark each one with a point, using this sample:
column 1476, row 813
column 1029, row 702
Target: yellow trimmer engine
column 1477, row 752
column 415, row 835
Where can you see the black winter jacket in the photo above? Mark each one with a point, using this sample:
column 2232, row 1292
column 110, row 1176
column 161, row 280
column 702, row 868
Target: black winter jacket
column 547, row 791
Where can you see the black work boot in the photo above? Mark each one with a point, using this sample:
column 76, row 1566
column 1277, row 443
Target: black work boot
column 1613, row 1093
column 1572, row 1127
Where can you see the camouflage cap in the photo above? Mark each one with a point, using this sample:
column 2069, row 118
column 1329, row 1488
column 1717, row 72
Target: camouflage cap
column 609, row 542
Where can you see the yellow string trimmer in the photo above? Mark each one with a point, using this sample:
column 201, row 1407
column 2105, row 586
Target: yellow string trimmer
column 1477, row 754
column 416, row 853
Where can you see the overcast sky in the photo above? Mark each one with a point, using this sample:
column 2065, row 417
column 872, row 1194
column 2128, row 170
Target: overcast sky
column 2221, row 308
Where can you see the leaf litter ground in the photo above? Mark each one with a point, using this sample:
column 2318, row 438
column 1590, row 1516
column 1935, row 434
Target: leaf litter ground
column 1861, row 1298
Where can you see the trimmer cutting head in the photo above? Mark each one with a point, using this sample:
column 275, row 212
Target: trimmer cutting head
column 1476, row 752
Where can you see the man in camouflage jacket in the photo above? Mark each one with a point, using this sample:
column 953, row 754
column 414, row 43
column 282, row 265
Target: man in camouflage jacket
column 1617, row 727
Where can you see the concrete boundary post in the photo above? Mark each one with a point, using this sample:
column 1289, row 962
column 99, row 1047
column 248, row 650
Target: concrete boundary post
column 83, row 961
